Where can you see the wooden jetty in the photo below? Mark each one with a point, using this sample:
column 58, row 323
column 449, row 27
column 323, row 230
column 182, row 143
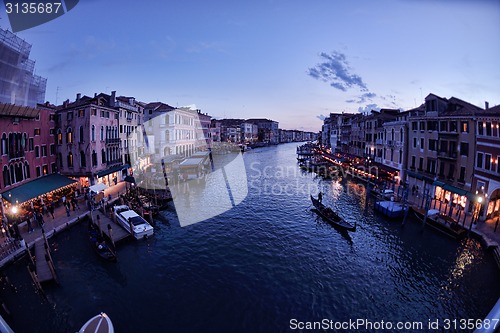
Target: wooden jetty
column 109, row 227
column 44, row 266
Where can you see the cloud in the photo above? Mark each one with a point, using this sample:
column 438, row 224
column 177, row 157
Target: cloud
column 363, row 98
column 336, row 71
column 368, row 108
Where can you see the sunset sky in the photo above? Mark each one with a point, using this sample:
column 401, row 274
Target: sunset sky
column 291, row 61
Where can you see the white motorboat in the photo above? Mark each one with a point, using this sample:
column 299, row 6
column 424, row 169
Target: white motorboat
column 98, row 324
column 133, row 222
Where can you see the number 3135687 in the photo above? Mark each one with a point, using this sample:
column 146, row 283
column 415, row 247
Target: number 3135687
column 33, row 8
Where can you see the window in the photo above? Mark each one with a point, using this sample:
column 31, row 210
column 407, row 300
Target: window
column 443, row 126
column 414, row 125
column 45, row 169
column 60, row 158
column 44, row 150
column 103, row 156
column 38, row 172
column 479, row 162
column 464, row 148
column 480, row 128
column 83, row 161
column 93, row 133
column 421, row 163
column 52, row 131
column 461, row 179
column 6, row 176
column 444, row 146
column 70, row 160
column 53, row 167
column 453, row 126
column 69, row 135
column 70, row 116
column 81, row 113
column 59, row 137
column 52, row 150
column 432, row 125
column 31, row 144
column 93, row 112
column 451, row 171
column 94, row 158
column 37, row 131
column 4, row 144
column 121, row 129
column 27, row 170
column 37, row 151
column 413, row 162
column 414, row 142
column 81, row 134
column 464, row 127
column 422, row 125
column 432, row 144
column 102, row 133
column 487, row 161
column 488, row 129
column 422, row 145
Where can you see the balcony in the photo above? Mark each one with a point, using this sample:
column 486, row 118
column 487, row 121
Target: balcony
column 447, row 155
column 16, row 154
column 113, row 141
column 379, row 142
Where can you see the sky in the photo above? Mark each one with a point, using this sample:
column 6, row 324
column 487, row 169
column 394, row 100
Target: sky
column 291, row 61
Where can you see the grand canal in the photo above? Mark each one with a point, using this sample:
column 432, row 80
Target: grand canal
column 261, row 264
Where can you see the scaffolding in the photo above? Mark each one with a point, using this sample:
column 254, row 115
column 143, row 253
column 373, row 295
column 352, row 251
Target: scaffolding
column 18, row 84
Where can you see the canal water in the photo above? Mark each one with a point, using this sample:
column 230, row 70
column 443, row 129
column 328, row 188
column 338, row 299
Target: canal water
column 261, row 264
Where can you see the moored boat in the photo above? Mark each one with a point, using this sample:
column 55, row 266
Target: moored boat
column 98, row 324
column 330, row 216
column 440, row 222
column 390, row 208
column 133, row 222
column 99, row 244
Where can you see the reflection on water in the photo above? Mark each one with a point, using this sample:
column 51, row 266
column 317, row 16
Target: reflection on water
column 262, row 263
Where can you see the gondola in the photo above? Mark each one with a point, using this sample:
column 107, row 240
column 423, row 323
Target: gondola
column 333, row 218
column 99, row 244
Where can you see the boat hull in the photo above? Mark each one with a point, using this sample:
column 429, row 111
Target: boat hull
column 332, row 218
column 98, row 324
column 390, row 209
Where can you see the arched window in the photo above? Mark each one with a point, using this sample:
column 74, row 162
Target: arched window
column 59, row 137
column 81, row 134
column 93, row 133
column 12, row 174
column 102, row 133
column 94, row 158
column 83, row 161
column 70, row 160
column 27, row 170
column 392, row 134
column 19, row 172
column 6, row 176
column 103, row 156
column 401, row 139
column 4, row 144
column 69, row 135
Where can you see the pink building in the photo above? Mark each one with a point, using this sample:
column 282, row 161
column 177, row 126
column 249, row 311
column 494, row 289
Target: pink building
column 88, row 142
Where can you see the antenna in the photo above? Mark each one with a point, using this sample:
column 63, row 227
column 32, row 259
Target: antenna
column 57, row 93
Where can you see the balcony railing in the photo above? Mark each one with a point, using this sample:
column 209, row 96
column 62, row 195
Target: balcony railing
column 113, row 141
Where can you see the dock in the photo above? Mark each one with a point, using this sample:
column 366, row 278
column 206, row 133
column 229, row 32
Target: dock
column 44, row 271
column 110, row 228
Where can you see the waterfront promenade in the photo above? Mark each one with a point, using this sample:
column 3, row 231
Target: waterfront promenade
column 11, row 249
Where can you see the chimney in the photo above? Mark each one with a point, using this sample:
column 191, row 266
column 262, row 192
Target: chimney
column 78, row 96
column 66, row 103
column 113, row 98
column 486, row 105
column 95, row 95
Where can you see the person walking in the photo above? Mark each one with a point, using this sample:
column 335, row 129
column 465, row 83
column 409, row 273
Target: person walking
column 67, row 208
column 51, row 209
column 39, row 219
column 73, row 203
column 30, row 227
